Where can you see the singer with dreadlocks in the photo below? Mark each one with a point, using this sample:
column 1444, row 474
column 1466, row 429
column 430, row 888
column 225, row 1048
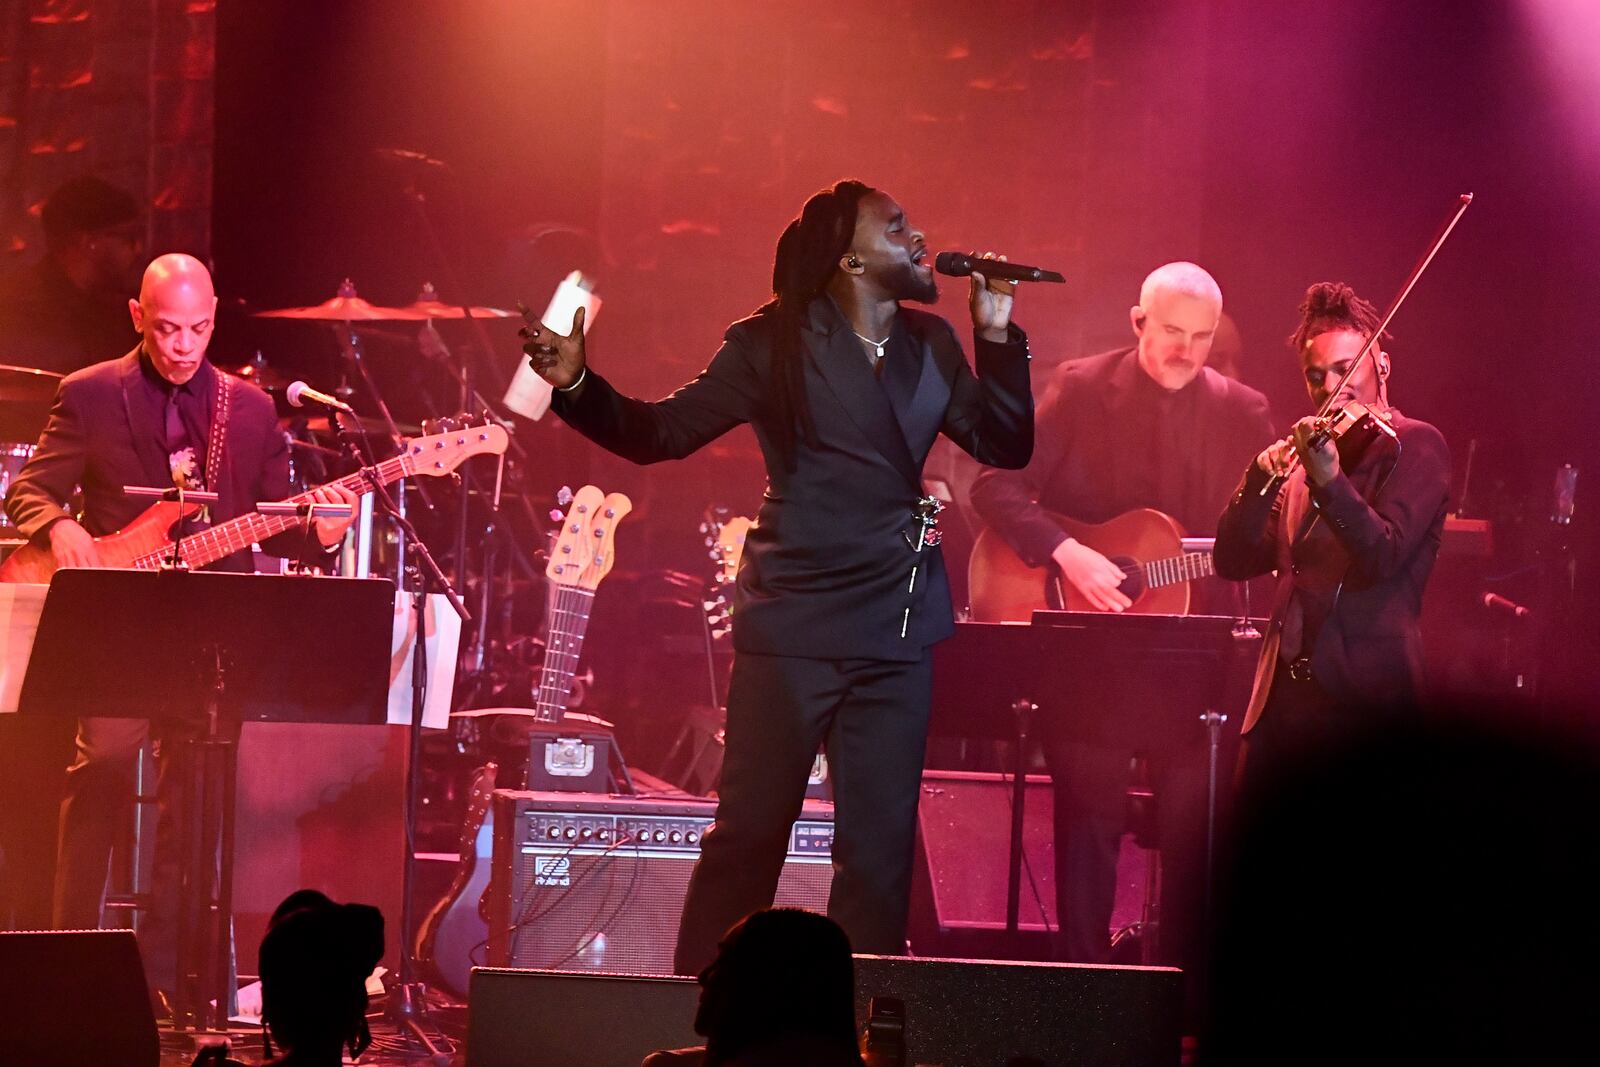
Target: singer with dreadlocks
column 1352, row 531
column 841, row 590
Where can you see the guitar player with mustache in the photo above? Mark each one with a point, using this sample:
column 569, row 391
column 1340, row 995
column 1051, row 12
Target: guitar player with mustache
column 1143, row 427
column 136, row 420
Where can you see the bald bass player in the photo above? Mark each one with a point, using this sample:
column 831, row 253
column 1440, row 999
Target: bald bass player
column 136, row 420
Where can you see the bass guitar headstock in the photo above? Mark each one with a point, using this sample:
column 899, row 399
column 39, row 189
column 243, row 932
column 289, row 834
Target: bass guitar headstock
column 585, row 545
column 452, row 441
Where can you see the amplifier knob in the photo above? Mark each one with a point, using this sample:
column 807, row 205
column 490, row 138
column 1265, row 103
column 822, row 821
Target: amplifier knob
column 661, row 835
column 554, row 831
column 587, row 833
column 572, row 833
column 674, row 837
column 691, row 837
column 603, row 835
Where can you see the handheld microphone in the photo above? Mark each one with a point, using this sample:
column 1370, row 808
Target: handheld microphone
column 299, row 392
column 1510, row 607
column 961, row 264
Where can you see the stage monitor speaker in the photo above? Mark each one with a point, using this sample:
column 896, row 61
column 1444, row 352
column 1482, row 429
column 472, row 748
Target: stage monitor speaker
column 596, row 883
column 75, row 997
column 967, row 1013
column 963, row 855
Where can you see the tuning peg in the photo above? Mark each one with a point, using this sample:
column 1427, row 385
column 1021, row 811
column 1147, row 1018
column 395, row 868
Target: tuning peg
column 714, row 554
column 564, row 495
column 721, row 631
column 556, row 515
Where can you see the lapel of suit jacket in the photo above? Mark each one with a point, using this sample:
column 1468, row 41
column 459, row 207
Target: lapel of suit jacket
column 843, row 365
column 144, row 425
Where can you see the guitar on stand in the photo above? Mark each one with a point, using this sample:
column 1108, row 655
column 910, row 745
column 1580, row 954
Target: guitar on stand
column 146, row 541
column 455, row 932
column 567, row 745
column 725, row 539
column 1148, row 545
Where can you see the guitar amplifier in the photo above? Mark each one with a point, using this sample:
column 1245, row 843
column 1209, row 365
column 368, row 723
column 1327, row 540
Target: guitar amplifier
column 597, row 883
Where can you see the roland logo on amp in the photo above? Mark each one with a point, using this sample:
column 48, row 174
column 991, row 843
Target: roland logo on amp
column 555, row 871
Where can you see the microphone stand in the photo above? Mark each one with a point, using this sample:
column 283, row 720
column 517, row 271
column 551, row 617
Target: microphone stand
column 407, row 994
column 470, row 398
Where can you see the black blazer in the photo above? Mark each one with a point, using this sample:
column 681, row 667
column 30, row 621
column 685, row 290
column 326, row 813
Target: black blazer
column 1356, row 553
column 99, row 436
column 827, row 568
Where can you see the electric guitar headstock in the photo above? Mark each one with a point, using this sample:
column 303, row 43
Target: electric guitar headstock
column 585, row 545
column 725, row 536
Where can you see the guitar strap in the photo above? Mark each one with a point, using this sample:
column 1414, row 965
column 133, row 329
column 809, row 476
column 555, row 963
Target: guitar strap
column 216, row 447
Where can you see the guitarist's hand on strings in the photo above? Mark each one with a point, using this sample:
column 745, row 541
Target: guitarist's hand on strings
column 557, row 358
column 72, row 545
column 330, row 531
column 1093, row 575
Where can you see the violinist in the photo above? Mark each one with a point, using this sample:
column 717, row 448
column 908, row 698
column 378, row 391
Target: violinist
column 1351, row 526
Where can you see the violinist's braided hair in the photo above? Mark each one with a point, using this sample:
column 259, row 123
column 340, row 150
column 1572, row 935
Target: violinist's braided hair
column 807, row 256
column 1333, row 306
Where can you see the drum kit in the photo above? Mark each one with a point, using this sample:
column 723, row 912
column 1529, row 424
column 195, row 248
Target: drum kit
column 25, row 395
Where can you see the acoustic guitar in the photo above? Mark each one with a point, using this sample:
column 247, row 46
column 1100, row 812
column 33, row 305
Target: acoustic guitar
column 147, row 541
column 1145, row 543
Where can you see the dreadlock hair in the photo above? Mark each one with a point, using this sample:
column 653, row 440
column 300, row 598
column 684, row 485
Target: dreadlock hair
column 807, row 256
column 1333, row 306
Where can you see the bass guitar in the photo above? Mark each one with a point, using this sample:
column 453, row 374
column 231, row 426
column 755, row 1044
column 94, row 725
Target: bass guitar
column 1145, row 543
column 453, row 938
column 147, row 541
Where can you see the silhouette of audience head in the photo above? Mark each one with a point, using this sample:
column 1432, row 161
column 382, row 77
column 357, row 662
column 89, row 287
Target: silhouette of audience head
column 783, row 980
column 315, row 959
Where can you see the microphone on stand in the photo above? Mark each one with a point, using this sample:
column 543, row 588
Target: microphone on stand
column 1510, row 607
column 410, row 157
column 299, row 392
column 961, row 264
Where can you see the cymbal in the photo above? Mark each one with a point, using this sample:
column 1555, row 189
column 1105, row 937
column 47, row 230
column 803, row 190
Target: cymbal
column 27, row 385
column 345, row 306
column 344, row 309
column 429, row 304
column 434, row 309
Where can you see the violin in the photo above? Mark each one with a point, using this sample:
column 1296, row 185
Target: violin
column 1351, row 429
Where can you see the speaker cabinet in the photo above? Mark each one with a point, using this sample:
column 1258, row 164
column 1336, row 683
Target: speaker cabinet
column 74, row 997
column 967, row 1013
column 597, row 883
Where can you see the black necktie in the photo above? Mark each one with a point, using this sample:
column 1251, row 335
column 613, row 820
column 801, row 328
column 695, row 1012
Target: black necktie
column 177, row 436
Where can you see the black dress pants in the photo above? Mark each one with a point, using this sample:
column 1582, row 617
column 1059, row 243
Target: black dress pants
column 872, row 718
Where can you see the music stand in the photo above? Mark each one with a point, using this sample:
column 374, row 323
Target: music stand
column 1052, row 665
column 217, row 649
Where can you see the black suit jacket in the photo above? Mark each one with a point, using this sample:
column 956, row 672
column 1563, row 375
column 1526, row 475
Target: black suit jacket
column 1356, row 554
column 827, row 568
column 99, row 436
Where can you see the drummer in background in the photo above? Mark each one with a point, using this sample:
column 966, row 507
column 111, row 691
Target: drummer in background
column 71, row 307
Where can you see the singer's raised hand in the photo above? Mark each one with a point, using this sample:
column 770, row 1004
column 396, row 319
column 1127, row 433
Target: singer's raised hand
column 991, row 299
column 558, row 358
